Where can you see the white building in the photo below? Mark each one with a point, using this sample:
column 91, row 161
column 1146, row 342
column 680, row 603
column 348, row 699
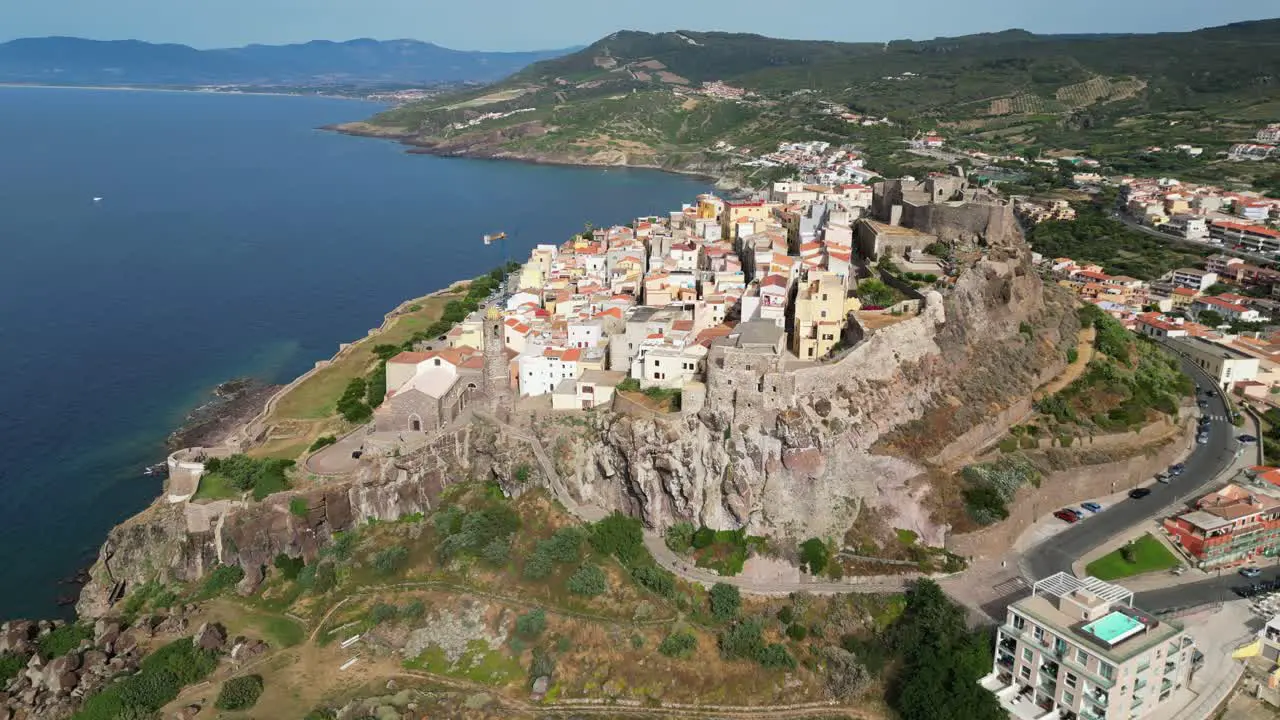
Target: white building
column 1194, row 278
column 540, row 374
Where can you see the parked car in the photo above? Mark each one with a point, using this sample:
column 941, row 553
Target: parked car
column 1176, row 470
column 1162, row 478
column 1177, row 571
column 1250, row 572
column 1066, row 516
column 1092, row 507
column 1212, row 393
column 1139, row 493
column 1247, row 438
column 1202, row 439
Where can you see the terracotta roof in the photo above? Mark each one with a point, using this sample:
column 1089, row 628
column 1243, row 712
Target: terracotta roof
column 774, row 281
column 410, row 358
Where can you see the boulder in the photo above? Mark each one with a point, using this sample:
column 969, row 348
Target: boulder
column 17, row 636
column 63, row 683
column 93, row 661
column 187, row 712
column 210, row 636
column 105, row 631
column 126, row 644
column 246, row 650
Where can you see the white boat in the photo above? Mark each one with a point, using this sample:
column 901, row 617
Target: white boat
column 97, row 199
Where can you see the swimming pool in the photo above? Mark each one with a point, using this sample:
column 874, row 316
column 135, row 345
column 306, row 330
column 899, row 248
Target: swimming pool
column 1113, row 627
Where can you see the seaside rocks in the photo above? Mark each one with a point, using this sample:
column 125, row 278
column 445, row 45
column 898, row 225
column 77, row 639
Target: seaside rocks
column 17, row 637
column 105, row 634
column 210, row 636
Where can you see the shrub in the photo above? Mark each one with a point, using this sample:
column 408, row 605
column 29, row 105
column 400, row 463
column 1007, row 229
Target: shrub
column 629, row 385
column 565, row 546
column 1073, row 355
column 531, row 624
column 323, row 578
column 498, row 551
column 343, row 545
column 786, row 615
column 382, row 612
column 160, row 677
column 289, row 567
column 541, row 664
column 725, row 601
column 223, row 577
column 390, row 560
column 322, row 441
column 522, row 473
column 620, row 536
column 11, row 664
column 414, row 610
column 742, row 640
column 589, row 580
column 299, row 507
column 680, row 644
column 679, row 536
column 62, row 640
column 797, row 632
column 538, row 566
column 239, row 693
column 656, row 579
column 814, row 556
column 702, row 538
column 775, row 656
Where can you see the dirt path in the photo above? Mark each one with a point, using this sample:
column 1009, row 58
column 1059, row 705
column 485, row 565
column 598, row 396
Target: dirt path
column 1084, row 353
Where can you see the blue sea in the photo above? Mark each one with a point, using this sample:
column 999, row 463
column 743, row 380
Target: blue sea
column 233, row 238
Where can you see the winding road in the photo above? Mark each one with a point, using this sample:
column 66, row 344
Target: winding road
column 1203, row 467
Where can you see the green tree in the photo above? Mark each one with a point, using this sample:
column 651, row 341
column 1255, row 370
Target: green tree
column 814, row 556
column 531, row 624
column 1212, row 318
column 941, row 661
column 725, row 601
column 679, row 536
column 679, row 644
column 298, row 506
column 239, row 693
column 589, row 580
column 875, row 292
column 620, row 536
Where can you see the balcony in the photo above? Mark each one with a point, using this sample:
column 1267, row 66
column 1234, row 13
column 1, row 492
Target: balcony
column 1005, row 661
column 1170, row 667
column 1050, row 669
column 1139, row 685
column 1165, row 685
column 1087, row 714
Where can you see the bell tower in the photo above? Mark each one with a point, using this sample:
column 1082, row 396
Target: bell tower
column 497, row 375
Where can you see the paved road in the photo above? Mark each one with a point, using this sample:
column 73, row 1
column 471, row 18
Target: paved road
column 1263, row 260
column 1202, row 468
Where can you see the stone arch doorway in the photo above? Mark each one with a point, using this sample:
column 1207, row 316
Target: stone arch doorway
column 415, row 423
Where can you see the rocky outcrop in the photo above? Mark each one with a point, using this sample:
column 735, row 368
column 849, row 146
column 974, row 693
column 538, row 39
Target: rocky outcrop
column 54, row 687
column 831, row 441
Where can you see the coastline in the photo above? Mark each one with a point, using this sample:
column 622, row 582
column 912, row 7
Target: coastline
column 196, row 90
column 417, row 147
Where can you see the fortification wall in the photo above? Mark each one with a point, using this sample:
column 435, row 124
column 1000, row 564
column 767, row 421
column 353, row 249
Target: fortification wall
column 1069, row 487
column 879, row 356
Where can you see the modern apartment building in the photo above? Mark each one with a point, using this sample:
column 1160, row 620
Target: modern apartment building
column 1078, row 646
column 819, row 316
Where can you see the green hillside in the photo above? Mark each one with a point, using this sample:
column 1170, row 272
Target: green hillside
column 631, row 97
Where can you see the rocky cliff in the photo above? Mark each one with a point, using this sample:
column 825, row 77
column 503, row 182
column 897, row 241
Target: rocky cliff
column 861, row 432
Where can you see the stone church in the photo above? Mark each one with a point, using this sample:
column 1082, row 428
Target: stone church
column 427, row 390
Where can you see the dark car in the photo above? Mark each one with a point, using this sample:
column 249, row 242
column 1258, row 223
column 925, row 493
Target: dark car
column 1247, row 438
column 1139, row 493
column 1066, row 516
column 1177, row 468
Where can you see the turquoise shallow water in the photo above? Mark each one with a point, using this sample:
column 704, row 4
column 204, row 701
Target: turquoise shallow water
column 232, row 239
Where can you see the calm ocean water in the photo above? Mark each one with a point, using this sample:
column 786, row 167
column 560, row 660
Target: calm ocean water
column 232, row 239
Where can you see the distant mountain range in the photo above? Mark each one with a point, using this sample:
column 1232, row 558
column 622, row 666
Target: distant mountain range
column 75, row 61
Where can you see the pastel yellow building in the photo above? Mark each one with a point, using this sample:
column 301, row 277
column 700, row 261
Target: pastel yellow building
column 819, row 315
column 755, row 211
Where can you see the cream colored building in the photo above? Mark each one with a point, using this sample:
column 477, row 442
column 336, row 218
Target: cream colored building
column 1226, row 365
column 1079, row 646
column 819, row 315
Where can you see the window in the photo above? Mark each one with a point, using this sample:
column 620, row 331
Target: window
column 1038, row 633
column 1068, row 699
column 1072, row 680
column 1106, row 671
column 1025, row 672
column 1082, row 657
column 1026, row 654
column 1019, row 623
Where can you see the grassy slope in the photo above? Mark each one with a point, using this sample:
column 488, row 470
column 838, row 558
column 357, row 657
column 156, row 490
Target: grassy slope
column 1115, row 92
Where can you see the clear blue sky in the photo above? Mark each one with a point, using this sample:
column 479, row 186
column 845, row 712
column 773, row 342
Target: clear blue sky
column 537, row 24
